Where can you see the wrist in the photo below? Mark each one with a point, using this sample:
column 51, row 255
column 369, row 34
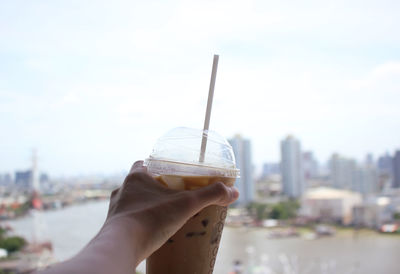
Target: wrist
column 113, row 247
column 123, row 237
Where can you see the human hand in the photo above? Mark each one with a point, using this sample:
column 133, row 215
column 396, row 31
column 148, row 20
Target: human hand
column 142, row 216
column 152, row 213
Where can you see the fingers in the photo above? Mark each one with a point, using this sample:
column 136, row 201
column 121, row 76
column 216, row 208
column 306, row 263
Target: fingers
column 138, row 167
column 217, row 194
column 138, row 174
column 114, row 192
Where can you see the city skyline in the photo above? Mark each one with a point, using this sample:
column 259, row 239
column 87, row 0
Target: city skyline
column 257, row 166
column 95, row 88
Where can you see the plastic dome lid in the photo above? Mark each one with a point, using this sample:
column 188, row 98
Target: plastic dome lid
column 179, row 150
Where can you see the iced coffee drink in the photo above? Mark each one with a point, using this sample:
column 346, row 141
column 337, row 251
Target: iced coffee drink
column 193, row 249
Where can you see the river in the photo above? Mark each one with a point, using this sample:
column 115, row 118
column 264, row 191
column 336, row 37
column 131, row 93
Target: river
column 71, row 228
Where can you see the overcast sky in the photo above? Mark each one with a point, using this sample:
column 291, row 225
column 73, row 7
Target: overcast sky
column 93, row 84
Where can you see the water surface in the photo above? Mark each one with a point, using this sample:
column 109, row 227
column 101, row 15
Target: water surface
column 70, row 229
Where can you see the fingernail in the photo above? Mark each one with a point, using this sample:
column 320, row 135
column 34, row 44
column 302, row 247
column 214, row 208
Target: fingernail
column 138, row 164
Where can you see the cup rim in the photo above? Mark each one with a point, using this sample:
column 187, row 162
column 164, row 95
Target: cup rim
column 154, row 164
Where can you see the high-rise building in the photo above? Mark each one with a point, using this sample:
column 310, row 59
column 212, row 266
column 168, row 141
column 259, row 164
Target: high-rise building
column 245, row 184
column 269, row 169
column 369, row 159
column 23, row 179
column 292, row 167
column 343, row 172
column 310, row 165
column 366, row 180
column 347, row 174
column 44, row 178
column 385, row 164
column 5, row 179
column 396, row 169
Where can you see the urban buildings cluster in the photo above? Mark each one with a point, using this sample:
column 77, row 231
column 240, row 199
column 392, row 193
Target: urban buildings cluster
column 22, row 180
column 370, row 177
column 343, row 190
column 18, row 190
column 299, row 170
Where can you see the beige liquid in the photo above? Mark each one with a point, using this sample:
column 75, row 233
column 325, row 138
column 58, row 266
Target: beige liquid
column 193, row 249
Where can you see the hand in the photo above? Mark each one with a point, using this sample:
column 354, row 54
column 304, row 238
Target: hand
column 153, row 213
column 142, row 216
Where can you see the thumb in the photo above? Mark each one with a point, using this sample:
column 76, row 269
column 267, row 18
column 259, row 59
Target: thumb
column 216, row 194
column 138, row 167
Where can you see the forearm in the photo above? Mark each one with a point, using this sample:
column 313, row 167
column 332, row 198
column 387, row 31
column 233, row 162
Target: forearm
column 111, row 251
column 142, row 216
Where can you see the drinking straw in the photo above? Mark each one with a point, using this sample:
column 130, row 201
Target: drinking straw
column 208, row 110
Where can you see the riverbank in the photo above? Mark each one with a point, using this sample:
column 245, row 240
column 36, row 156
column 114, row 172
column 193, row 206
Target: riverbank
column 71, row 228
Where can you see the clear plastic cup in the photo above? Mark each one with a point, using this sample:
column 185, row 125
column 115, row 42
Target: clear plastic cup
column 174, row 162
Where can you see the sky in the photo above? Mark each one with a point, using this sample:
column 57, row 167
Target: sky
column 91, row 85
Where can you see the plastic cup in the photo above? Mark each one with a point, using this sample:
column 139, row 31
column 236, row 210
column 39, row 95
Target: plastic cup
column 174, row 162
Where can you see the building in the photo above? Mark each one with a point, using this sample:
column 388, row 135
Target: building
column 245, row 184
column 366, row 180
column 292, row 167
column 5, row 179
column 23, row 179
column 310, row 165
column 385, row 164
column 374, row 212
column 396, row 169
column 385, row 171
column 269, row 169
column 268, row 187
column 330, row 204
column 347, row 174
column 342, row 172
column 369, row 160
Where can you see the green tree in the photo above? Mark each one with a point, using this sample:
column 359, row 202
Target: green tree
column 284, row 210
column 12, row 244
column 3, row 232
column 276, row 212
column 261, row 211
column 23, row 209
